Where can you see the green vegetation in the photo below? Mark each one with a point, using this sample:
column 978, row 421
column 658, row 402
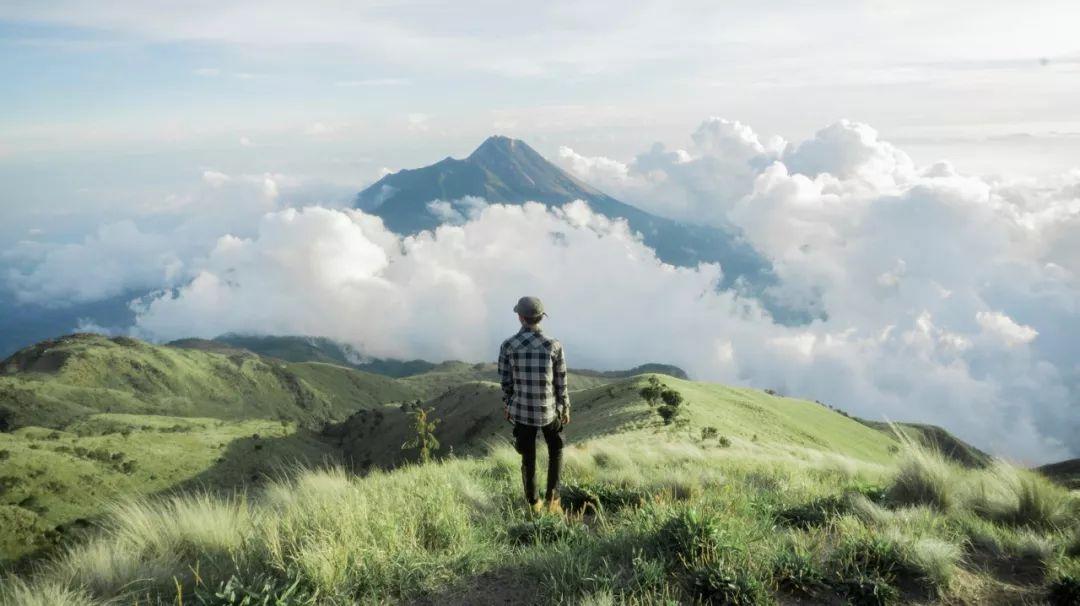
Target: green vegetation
column 745, row 498
column 56, row 382
column 651, row 518
column 424, row 441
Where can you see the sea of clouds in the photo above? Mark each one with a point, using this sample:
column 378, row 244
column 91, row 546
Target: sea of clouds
column 947, row 298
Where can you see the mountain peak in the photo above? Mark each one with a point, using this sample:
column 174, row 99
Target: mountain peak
column 497, row 146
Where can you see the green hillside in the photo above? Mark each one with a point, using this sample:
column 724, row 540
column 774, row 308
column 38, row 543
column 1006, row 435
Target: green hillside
column 471, row 419
column 56, row 382
column 202, row 473
column 1065, row 473
column 787, row 502
column 936, row 438
column 54, row 482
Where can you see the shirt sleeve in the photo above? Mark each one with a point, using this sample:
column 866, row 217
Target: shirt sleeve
column 506, row 374
column 562, row 400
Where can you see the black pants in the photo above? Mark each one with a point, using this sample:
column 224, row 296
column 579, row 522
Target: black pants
column 525, row 443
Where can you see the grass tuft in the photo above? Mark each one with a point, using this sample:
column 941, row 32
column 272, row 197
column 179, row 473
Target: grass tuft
column 923, row 477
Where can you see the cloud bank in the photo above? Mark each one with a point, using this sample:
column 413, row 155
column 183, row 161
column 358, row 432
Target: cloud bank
column 949, row 299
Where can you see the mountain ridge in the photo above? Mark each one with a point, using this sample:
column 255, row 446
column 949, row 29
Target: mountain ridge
column 508, row 171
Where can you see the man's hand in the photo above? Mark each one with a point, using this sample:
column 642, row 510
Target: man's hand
column 506, row 413
column 564, row 418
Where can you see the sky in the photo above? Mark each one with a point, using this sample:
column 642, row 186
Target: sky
column 913, row 165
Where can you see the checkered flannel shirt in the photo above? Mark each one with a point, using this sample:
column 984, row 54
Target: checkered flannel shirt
column 533, row 373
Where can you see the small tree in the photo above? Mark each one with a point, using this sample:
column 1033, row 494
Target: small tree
column 425, row 439
column 672, row 407
column 652, row 392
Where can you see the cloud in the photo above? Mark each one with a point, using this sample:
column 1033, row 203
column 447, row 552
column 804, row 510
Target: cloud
column 156, row 251
column 418, row 122
column 457, row 212
column 945, row 298
column 373, row 82
column 117, row 258
column 1005, row 328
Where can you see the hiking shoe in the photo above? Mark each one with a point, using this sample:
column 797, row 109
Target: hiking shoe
column 536, row 508
column 553, row 506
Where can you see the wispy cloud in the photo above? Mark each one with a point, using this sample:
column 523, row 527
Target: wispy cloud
column 374, row 82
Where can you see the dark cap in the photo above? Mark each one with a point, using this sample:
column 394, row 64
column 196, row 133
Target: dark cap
column 530, row 307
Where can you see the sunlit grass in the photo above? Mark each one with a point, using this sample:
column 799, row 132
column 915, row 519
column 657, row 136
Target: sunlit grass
column 672, row 519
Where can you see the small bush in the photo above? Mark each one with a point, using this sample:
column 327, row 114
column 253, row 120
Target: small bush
column 709, row 432
column 723, row 442
column 722, row 582
column 796, row 572
column 690, row 535
column 867, row 590
column 5, row 455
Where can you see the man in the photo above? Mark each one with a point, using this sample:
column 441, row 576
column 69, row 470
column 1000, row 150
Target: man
column 533, row 373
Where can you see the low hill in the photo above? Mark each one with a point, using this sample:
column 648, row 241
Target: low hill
column 471, row 419
column 55, row 382
column 321, row 349
column 650, row 368
column 937, row 438
column 1065, row 473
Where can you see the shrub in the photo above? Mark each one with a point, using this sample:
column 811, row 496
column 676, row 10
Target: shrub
column 721, row 582
column 867, row 590
column 5, row 455
column 424, row 441
column 667, row 413
column 709, row 432
column 797, row 573
column 651, row 392
column 690, row 535
column 723, row 441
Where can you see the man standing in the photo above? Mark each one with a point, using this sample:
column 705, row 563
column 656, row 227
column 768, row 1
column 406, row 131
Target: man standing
column 533, row 373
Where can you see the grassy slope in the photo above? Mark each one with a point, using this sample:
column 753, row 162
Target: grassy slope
column 654, row 517
column 448, row 375
column 784, row 455
column 54, row 383
column 53, row 481
column 84, row 406
column 1065, row 473
column 932, row 436
column 470, row 418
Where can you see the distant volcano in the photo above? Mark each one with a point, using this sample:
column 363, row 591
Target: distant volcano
column 508, row 171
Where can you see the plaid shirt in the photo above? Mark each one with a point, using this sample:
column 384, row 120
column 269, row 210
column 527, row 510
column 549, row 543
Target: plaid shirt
column 533, row 373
